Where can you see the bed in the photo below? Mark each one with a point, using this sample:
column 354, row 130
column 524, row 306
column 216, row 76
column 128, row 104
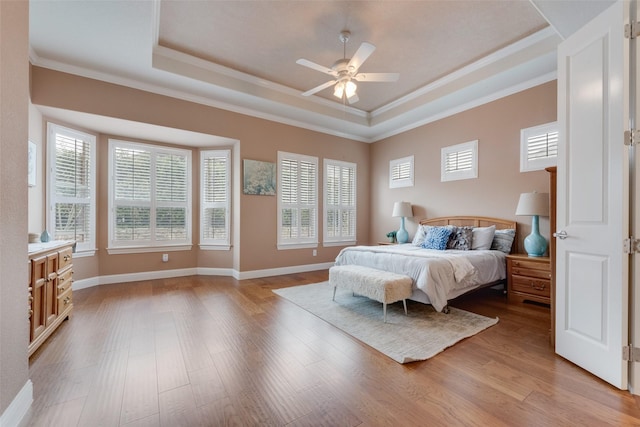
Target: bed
column 441, row 275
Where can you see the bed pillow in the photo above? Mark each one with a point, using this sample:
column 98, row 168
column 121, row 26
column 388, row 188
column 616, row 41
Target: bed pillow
column 483, row 237
column 437, row 238
column 418, row 239
column 460, row 238
column 503, row 239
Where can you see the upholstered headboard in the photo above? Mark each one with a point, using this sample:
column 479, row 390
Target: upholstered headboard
column 474, row 221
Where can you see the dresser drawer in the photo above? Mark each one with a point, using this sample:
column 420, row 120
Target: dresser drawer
column 530, row 265
column 65, row 279
column 530, row 272
column 531, row 286
column 65, row 301
column 64, row 256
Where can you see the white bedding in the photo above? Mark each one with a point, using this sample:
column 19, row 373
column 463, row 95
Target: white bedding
column 438, row 276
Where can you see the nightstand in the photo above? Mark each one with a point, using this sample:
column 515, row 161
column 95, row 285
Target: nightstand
column 528, row 278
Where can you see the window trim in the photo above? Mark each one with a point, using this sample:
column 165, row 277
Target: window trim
column 300, row 243
column 401, row 182
column 339, row 241
column 82, row 250
column 215, row 244
column 456, row 175
column 541, row 163
column 115, row 247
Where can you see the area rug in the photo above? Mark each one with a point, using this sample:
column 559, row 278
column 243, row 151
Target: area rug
column 420, row 335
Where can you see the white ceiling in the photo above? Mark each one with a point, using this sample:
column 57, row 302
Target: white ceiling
column 241, row 55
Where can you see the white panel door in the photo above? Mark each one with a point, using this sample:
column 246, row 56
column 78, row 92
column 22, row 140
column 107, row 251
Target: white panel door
column 591, row 268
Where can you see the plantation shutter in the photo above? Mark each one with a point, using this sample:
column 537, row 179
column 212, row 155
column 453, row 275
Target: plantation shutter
column 459, row 161
column 340, row 201
column 215, row 197
column 150, row 195
column 73, row 186
column 171, row 196
column 298, row 199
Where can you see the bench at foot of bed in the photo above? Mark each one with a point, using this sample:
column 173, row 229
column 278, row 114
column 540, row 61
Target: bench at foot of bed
column 379, row 285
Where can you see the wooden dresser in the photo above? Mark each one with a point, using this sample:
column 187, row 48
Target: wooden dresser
column 50, row 294
column 528, row 278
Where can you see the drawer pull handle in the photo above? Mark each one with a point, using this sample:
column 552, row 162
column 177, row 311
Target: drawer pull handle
column 66, row 300
column 537, row 288
column 67, row 257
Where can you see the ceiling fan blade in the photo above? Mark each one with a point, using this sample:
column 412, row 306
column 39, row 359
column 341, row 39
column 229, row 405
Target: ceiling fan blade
column 361, row 55
column 377, row 77
column 317, row 67
column 319, row 88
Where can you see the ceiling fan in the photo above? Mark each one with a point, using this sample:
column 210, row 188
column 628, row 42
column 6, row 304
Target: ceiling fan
column 345, row 72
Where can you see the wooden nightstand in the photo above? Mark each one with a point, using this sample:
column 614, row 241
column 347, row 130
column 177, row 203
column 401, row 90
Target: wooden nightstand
column 528, row 278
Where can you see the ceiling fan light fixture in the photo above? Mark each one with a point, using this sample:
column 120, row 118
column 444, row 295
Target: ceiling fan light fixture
column 350, row 89
column 338, row 91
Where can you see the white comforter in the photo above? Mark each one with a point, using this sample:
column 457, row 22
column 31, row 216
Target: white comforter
column 441, row 275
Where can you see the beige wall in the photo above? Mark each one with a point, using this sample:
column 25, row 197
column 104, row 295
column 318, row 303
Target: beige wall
column 14, row 98
column 495, row 192
column 255, row 222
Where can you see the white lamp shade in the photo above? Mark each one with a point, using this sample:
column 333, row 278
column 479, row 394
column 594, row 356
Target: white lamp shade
column 533, row 204
column 402, row 209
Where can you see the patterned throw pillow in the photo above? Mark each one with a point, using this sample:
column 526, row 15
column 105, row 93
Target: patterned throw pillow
column 460, row 238
column 437, row 238
column 418, row 239
column 503, row 239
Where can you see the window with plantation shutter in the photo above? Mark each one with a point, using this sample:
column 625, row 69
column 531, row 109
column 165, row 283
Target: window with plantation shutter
column 401, row 172
column 215, row 190
column 459, row 161
column 72, row 187
column 149, row 196
column 339, row 203
column 538, row 147
column 297, row 201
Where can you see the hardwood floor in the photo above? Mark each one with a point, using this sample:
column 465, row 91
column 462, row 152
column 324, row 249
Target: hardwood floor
column 209, row 351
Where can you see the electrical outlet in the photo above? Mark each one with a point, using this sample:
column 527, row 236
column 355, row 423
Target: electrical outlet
column 315, row 252
column 165, row 257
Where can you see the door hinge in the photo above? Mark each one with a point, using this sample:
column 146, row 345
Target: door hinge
column 631, row 245
column 631, row 137
column 630, row 354
column 631, row 30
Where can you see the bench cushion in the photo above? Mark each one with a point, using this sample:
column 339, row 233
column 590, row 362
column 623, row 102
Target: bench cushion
column 379, row 285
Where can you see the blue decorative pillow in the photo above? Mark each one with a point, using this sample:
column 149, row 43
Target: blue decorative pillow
column 437, row 238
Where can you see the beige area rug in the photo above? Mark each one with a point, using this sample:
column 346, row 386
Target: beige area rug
column 420, row 335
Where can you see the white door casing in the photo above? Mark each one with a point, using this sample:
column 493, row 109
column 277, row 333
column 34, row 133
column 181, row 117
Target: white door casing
column 592, row 206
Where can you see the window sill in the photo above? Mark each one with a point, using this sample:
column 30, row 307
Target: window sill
column 210, row 247
column 282, row 247
column 147, row 249
column 341, row 243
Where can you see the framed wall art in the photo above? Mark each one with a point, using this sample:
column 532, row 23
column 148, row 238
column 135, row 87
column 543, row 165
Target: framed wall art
column 259, row 178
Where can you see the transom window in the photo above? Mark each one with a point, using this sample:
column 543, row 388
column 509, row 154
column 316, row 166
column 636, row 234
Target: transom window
column 459, row 161
column 538, row 147
column 401, row 172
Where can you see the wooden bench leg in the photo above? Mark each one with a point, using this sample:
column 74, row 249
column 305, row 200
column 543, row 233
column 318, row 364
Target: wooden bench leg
column 404, row 302
column 384, row 311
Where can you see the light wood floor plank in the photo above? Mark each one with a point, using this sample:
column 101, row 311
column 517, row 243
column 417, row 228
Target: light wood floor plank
column 215, row 351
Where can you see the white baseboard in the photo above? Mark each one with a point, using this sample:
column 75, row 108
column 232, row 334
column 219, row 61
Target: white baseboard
column 203, row 271
column 255, row 274
column 18, row 407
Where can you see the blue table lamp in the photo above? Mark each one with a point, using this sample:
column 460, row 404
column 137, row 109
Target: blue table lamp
column 534, row 204
column 402, row 209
